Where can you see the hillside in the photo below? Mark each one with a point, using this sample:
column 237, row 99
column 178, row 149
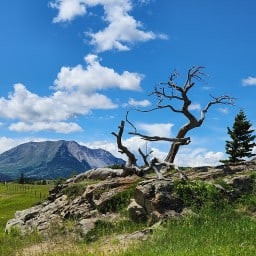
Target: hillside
column 134, row 216
column 52, row 159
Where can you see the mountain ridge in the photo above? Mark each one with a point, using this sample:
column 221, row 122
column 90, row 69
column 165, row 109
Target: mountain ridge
column 52, row 159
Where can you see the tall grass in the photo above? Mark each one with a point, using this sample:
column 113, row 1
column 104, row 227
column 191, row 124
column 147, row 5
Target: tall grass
column 213, row 232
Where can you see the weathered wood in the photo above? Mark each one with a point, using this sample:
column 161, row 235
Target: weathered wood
column 123, row 149
column 171, row 91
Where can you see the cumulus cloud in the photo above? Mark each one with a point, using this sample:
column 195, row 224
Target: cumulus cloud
column 249, row 81
column 95, row 77
column 187, row 156
column 156, row 129
column 27, row 106
column 122, row 29
column 68, row 9
column 8, row 143
column 137, row 103
column 198, row 157
column 75, row 93
column 133, row 144
column 58, row 127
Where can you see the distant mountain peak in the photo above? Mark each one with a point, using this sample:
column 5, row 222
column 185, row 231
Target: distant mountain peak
column 52, row 159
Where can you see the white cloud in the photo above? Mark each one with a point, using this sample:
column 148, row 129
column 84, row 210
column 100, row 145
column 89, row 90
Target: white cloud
column 187, row 156
column 224, row 110
column 75, row 93
column 133, row 144
column 68, row 9
column 249, row 81
column 137, row 103
column 157, row 129
column 122, row 29
column 8, row 143
column 198, row 157
column 195, row 106
column 95, row 77
column 58, row 127
column 30, row 107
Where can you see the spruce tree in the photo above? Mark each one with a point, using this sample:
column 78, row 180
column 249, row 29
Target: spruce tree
column 242, row 140
column 21, row 179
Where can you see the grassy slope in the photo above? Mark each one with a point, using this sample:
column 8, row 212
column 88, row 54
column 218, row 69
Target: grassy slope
column 212, row 232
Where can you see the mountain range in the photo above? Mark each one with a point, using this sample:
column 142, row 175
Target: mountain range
column 52, row 159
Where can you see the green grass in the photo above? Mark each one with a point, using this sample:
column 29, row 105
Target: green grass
column 217, row 229
column 16, row 197
column 212, row 232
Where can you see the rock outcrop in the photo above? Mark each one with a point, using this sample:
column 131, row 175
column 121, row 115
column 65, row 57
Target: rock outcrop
column 87, row 200
column 96, row 201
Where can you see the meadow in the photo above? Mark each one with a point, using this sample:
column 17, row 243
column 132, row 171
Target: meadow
column 221, row 231
column 14, row 197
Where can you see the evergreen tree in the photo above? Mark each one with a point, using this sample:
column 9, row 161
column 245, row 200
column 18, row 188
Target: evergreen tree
column 21, row 179
column 242, row 140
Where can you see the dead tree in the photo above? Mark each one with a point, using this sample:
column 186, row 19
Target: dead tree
column 157, row 166
column 145, row 156
column 170, row 91
column 132, row 161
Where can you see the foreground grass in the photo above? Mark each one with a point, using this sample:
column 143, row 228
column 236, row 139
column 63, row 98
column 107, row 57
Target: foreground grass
column 213, row 232
column 219, row 231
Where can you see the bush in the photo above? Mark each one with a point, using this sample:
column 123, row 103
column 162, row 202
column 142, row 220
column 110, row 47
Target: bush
column 118, row 202
column 195, row 194
column 74, row 190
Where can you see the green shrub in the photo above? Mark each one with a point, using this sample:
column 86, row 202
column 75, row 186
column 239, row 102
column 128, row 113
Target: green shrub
column 119, row 201
column 101, row 228
column 248, row 202
column 195, row 194
column 74, row 190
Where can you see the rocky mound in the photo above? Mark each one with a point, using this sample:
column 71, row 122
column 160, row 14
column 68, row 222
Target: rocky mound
column 86, row 200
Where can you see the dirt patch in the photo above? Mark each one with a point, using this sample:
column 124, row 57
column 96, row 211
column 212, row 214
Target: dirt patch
column 48, row 247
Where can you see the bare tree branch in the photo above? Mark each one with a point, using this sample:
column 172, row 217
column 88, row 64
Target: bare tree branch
column 171, row 91
column 167, row 95
column 127, row 120
column 183, row 141
column 123, row 149
column 145, row 156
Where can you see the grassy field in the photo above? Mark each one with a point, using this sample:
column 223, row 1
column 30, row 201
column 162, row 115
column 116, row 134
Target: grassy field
column 212, row 231
column 14, row 197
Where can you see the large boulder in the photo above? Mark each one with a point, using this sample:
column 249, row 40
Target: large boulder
column 155, row 199
column 243, row 183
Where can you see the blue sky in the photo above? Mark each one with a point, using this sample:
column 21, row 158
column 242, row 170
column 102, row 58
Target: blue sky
column 70, row 69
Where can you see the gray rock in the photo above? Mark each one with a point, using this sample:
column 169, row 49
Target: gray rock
column 85, row 208
column 243, row 183
column 136, row 212
column 104, row 173
column 87, row 225
column 158, row 199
